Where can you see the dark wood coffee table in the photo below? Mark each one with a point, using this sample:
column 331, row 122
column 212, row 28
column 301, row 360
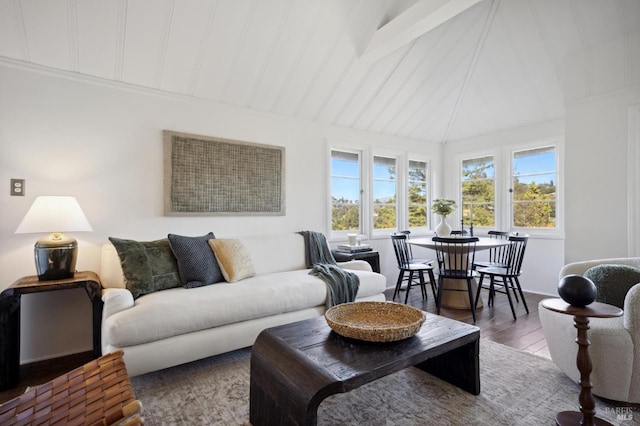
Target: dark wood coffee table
column 296, row 366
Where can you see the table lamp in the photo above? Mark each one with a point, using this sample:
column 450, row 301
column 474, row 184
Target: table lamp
column 55, row 254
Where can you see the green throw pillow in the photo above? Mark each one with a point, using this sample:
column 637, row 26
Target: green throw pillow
column 613, row 282
column 147, row 266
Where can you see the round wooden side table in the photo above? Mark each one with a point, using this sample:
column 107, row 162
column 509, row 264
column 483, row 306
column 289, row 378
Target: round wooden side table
column 587, row 414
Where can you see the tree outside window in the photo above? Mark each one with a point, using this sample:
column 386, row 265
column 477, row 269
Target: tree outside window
column 345, row 191
column 534, row 192
column 384, row 193
column 478, row 192
column 417, row 194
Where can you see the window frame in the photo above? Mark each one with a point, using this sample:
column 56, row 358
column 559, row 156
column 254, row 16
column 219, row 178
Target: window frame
column 360, row 151
column 509, row 151
column 398, row 168
column 503, row 156
column 367, row 155
column 496, row 205
column 456, row 217
column 422, row 230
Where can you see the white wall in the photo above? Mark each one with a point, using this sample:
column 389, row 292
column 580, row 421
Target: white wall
column 602, row 84
column 596, row 194
column 103, row 144
column 547, row 251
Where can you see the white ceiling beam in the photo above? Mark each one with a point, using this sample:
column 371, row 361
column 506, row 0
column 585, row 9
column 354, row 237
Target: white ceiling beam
column 414, row 22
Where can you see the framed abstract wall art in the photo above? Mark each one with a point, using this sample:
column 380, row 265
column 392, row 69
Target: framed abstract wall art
column 210, row 176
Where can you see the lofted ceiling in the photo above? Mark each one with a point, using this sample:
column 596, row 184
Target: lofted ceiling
column 497, row 64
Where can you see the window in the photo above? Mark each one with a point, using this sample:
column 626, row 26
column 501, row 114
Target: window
column 417, row 194
column 478, row 192
column 346, row 203
column 384, row 193
column 533, row 188
column 377, row 192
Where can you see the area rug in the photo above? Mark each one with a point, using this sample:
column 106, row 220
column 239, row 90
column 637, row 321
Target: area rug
column 517, row 388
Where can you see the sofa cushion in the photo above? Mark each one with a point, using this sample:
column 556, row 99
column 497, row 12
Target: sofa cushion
column 233, row 258
column 196, row 262
column 147, row 266
column 275, row 253
column 178, row 311
column 613, row 282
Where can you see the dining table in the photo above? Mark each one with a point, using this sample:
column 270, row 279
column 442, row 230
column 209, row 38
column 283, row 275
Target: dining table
column 459, row 299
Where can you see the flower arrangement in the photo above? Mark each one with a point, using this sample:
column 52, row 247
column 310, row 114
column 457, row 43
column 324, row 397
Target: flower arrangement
column 443, row 207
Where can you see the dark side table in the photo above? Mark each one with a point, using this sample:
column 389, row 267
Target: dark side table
column 587, row 414
column 371, row 257
column 10, row 317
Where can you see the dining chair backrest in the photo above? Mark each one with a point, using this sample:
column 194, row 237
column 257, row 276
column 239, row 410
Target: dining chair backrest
column 459, row 232
column 455, row 256
column 401, row 248
column 517, row 246
column 409, row 248
column 499, row 254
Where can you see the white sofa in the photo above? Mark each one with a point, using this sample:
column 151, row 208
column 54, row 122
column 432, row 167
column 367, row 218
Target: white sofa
column 179, row 325
column 615, row 342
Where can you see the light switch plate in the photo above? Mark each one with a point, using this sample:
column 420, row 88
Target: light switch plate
column 17, row 187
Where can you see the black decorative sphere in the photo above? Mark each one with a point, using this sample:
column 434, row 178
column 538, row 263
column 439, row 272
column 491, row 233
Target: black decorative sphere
column 577, row 290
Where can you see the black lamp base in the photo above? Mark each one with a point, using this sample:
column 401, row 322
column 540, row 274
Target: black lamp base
column 56, row 262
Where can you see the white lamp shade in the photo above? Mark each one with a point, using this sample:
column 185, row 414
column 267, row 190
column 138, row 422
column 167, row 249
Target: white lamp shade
column 54, row 214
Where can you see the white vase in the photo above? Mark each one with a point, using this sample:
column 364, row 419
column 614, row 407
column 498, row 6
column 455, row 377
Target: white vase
column 443, row 229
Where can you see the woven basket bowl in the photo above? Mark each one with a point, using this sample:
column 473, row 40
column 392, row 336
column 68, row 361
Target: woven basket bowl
column 375, row 321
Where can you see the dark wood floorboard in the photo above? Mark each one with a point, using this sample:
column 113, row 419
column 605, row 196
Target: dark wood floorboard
column 496, row 324
column 36, row 373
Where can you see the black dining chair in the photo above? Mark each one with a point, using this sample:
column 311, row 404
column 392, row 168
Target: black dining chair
column 407, row 265
column 497, row 255
column 455, row 257
column 504, row 279
column 410, row 250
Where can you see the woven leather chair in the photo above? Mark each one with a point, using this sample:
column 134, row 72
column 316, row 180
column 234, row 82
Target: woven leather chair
column 98, row 393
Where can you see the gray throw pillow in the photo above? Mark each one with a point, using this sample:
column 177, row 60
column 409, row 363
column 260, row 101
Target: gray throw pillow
column 196, row 261
column 613, row 282
column 147, row 266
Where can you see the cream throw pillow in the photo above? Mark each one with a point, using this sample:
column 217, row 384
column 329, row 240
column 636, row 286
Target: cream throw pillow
column 233, row 259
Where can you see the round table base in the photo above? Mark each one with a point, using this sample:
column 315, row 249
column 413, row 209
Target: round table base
column 459, row 299
column 574, row 418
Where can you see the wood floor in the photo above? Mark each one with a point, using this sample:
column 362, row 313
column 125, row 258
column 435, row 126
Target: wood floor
column 496, row 324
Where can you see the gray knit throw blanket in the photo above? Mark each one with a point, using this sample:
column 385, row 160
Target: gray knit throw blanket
column 342, row 286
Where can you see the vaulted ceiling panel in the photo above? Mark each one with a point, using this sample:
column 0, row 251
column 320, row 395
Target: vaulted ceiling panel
column 445, row 60
column 432, row 117
column 555, row 24
column 147, row 26
column 97, row 37
column 497, row 64
column 402, row 74
column 189, row 24
column 513, row 56
column 363, row 85
column 594, row 21
column 263, row 33
column 47, row 32
column 303, row 20
column 12, row 36
column 229, row 28
column 322, row 43
column 360, row 27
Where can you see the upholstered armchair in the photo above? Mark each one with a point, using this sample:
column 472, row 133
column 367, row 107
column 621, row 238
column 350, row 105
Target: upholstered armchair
column 615, row 342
